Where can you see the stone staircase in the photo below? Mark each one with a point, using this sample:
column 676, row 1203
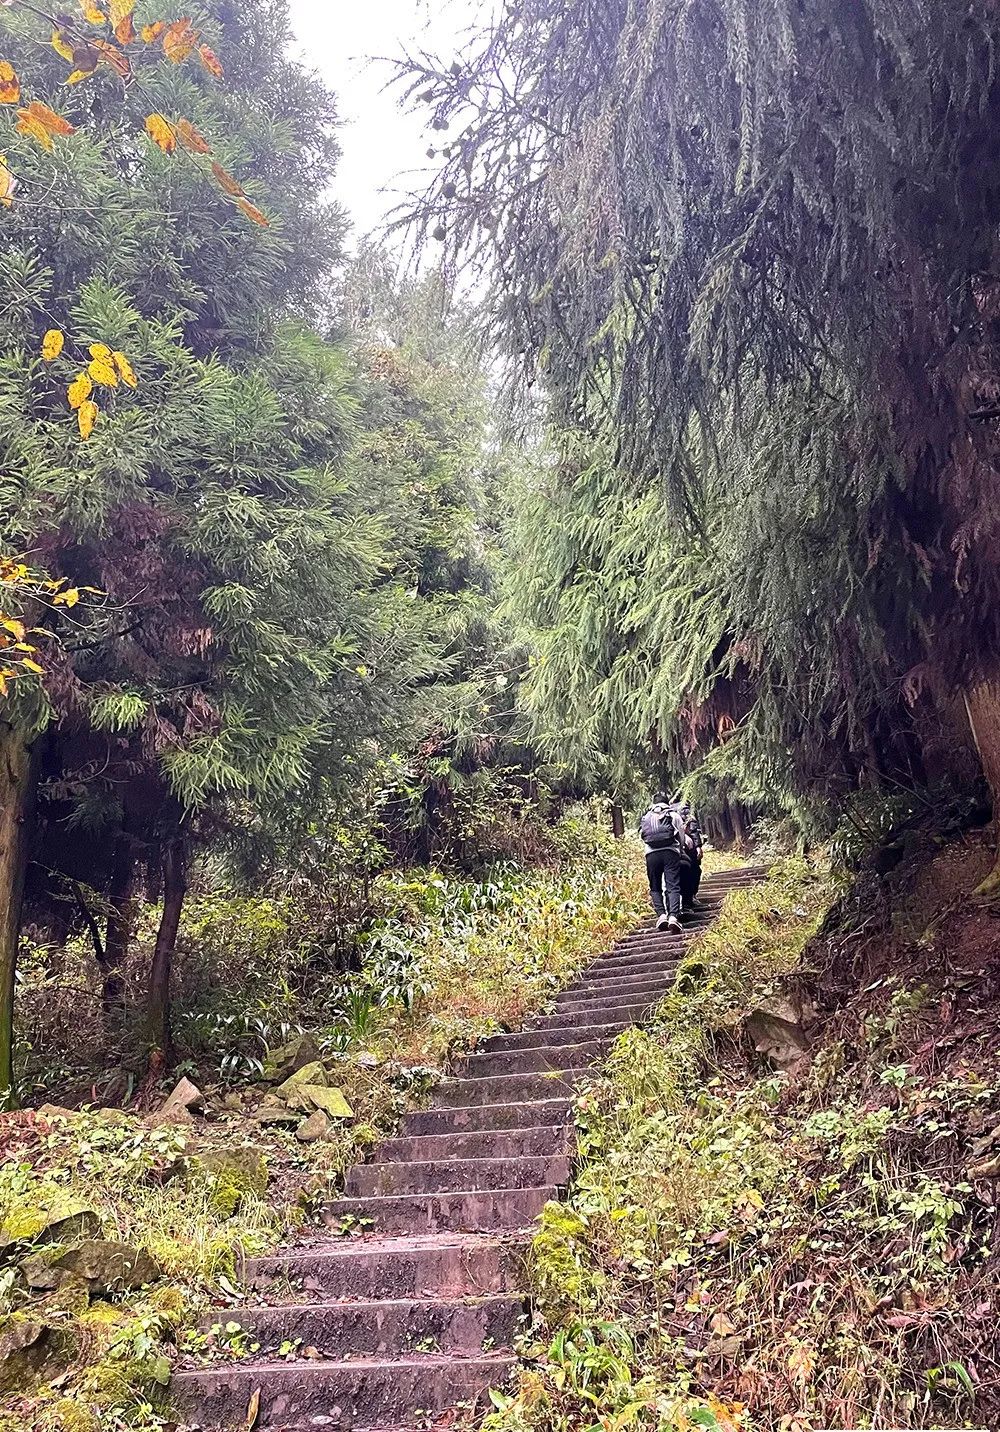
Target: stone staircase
column 396, row 1326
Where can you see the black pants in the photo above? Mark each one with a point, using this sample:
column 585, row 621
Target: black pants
column 690, row 880
column 664, row 868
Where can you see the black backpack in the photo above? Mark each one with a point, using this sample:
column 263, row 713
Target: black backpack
column 658, row 828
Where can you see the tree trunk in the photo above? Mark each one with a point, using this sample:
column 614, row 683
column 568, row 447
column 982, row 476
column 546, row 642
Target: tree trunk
column 739, row 826
column 121, row 921
column 618, row 822
column 18, row 778
column 982, row 703
column 158, row 1004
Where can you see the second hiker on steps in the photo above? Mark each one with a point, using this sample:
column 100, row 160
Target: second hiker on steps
column 663, row 836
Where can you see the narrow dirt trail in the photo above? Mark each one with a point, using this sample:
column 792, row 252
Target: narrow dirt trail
column 419, row 1315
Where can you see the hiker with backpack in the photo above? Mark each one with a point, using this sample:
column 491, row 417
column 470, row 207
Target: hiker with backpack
column 662, row 834
column 692, row 849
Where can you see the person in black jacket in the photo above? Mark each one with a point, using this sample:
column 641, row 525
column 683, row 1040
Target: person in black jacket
column 661, row 832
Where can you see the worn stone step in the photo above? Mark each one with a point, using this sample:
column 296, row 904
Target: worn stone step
column 453, row 1265
column 631, row 966
column 503, row 1089
column 450, row 1175
column 395, row 1327
column 469, row 1118
column 625, row 1012
column 528, row 1061
column 479, row 1144
column 620, row 991
column 555, row 1037
column 604, row 983
column 377, row 1393
column 486, row 1211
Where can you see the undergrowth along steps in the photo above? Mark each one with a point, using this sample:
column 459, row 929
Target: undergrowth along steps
column 418, row 1315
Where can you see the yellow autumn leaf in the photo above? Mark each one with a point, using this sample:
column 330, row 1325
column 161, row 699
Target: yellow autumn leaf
column 161, row 132
column 52, row 344
column 86, row 417
column 99, row 350
column 179, row 39
column 154, row 31
column 192, row 141
column 62, row 46
column 92, row 13
column 32, row 666
column 252, row 212
column 7, row 183
column 79, row 390
column 15, row 627
column 10, row 87
column 27, row 124
column 103, row 372
column 125, row 370
column 120, row 10
column 226, row 181
column 210, row 61
column 42, row 123
column 68, row 598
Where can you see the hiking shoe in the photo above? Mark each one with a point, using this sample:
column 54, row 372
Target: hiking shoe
column 663, row 922
column 674, row 926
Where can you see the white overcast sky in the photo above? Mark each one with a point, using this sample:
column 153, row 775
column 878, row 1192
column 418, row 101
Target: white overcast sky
column 381, row 143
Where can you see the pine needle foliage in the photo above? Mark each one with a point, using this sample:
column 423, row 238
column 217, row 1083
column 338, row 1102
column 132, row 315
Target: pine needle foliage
column 751, row 249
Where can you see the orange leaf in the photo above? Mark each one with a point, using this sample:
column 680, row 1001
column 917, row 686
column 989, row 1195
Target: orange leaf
column 79, row 390
column 10, row 87
column 161, row 132
column 125, row 369
column 52, row 344
column 86, row 417
column 7, row 183
column 27, row 124
column 152, row 32
column 125, row 31
column 226, row 181
column 118, row 61
column 103, row 371
column 252, row 212
column 211, row 61
column 61, row 45
column 190, row 138
column 179, row 39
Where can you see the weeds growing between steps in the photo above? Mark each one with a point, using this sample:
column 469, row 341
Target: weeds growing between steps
column 448, row 960
column 769, row 1251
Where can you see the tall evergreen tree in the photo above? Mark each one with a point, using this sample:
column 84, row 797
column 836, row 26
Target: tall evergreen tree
column 795, row 259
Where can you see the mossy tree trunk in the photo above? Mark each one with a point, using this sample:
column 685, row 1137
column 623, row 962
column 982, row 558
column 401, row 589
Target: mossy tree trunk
column 158, row 1002
column 18, row 779
column 121, row 922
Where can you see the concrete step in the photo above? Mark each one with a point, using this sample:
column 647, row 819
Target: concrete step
column 554, row 1038
column 534, row 1060
column 464, row 1211
column 369, row 1391
column 397, row 1328
column 503, row 1089
column 450, row 1175
column 453, row 1265
column 479, row 1144
column 471, row 1118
